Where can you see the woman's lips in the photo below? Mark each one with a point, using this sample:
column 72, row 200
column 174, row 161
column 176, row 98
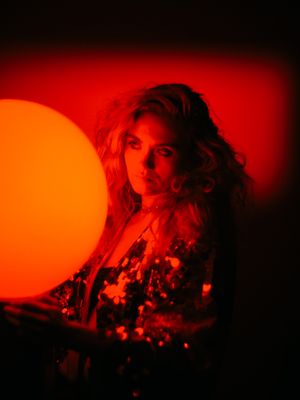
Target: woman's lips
column 146, row 178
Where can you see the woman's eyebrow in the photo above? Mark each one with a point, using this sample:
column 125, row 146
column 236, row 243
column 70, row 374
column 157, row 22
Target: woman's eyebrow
column 174, row 145
column 131, row 136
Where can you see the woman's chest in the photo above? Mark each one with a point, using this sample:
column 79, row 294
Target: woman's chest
column 116, row 294
column 131, row 233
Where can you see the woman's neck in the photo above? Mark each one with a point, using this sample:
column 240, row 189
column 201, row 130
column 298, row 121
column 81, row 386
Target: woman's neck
column 150, row 203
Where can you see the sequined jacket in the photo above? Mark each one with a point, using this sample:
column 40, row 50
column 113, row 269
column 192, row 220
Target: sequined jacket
column 158, row 311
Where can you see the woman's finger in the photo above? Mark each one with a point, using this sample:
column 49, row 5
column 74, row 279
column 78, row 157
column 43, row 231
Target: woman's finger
column 12, row 320
column 26, row 315
column 48, row 299
column 38, row 307
column 27, row 330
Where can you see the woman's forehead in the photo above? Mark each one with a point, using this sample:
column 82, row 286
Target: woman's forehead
column 155, row 128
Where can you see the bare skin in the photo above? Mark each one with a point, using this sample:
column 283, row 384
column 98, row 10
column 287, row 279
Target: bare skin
column 131, row 232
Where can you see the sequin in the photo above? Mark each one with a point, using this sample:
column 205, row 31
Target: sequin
column 174, row 261
column 206, row 287
column 121, row 331
column 139, row 331
column 125, row 262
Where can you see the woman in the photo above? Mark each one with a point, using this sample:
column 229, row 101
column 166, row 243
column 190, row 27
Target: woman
column 149, row 312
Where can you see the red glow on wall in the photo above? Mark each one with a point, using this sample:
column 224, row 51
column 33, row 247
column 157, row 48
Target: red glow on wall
column 250, row 96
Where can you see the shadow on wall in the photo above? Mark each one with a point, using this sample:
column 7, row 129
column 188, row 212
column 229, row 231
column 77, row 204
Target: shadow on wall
column 263, row 352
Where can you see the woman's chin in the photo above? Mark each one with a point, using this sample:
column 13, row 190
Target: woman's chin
column 144, row 189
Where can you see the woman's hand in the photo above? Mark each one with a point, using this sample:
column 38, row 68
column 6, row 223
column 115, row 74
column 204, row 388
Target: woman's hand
column 33, row 318
column 40, row 320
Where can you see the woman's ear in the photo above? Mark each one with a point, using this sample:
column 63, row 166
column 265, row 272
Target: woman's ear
column 177, row 183
column 208, row 185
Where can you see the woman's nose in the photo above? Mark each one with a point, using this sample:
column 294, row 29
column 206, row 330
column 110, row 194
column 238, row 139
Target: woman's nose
column 148, row 160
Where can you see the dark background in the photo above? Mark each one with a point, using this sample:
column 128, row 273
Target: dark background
column 262, row 361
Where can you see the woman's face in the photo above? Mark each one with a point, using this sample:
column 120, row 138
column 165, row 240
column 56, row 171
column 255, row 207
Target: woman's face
column 151, row 154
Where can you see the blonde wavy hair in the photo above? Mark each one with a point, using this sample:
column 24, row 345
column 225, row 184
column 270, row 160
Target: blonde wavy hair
column 213, row 176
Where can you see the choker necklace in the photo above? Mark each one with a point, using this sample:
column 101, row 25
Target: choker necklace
column 147, row 210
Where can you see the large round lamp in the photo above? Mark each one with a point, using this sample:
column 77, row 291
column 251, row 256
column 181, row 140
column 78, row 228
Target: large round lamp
column 53, row 198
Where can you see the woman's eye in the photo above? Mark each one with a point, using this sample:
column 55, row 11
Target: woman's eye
column 133, row 144
column 164, row 152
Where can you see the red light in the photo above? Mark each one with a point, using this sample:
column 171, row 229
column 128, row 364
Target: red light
column 250, row 97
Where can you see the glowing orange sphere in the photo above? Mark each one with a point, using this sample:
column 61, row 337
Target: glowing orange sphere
column 53, row 198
